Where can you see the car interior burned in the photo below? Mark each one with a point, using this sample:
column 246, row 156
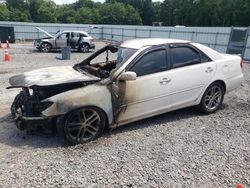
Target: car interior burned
column 103, row 69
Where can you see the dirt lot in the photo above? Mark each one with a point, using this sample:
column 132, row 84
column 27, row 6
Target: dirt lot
column 177, row 149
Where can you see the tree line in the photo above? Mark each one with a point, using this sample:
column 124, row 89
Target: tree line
column 131, row 12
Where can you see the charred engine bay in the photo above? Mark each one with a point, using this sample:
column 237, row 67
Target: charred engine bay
column 43, row 92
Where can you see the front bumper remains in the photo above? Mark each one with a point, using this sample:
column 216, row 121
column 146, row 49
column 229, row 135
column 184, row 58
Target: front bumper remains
column 26, row 112
column 32, row 123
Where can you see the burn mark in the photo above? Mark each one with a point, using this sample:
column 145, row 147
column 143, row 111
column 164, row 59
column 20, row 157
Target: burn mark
column 117, row 90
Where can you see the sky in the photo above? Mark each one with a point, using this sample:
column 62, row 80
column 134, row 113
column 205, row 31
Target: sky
column 71, row 1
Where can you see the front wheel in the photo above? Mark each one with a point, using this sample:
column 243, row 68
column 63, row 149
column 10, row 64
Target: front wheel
column 84, row 125
column 17, row 110
column 212, row 99
column 45, row 47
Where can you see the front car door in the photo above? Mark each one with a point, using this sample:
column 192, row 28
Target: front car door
column 149, row 93
column 62, row 40
column 191, row 71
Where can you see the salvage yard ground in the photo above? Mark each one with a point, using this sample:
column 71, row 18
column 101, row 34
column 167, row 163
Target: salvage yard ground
column 178, row 149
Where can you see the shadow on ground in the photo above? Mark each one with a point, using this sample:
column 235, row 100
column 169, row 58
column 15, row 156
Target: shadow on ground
column 10, row 135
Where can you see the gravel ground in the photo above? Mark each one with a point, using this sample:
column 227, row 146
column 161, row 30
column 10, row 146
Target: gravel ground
column 177, row 149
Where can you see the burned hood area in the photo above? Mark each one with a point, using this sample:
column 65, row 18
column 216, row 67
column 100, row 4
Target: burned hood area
column 50, row 81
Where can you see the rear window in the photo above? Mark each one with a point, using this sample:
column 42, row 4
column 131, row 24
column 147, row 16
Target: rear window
column 183, row 56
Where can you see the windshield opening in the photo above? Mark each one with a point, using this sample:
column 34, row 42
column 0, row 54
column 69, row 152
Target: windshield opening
column 106, row 60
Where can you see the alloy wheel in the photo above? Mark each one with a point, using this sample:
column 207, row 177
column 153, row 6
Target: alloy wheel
column 45, row 47
column 85, row 48
column 83, row 125
column 213, row 97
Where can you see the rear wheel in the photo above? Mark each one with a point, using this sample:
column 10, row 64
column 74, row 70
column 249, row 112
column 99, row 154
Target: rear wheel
column 84, row 48
column 212, row 98
column 84, row 125
column 46, row 47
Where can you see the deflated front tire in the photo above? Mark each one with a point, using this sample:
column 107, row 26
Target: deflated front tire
column 17, row 110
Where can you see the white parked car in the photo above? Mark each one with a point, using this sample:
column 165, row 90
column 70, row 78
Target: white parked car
column 148, row 77
column 79, row 40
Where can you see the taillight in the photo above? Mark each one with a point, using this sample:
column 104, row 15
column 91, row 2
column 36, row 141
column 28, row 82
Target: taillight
column 241, row 63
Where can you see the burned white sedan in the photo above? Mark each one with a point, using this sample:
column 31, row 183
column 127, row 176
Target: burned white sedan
column 147, row 77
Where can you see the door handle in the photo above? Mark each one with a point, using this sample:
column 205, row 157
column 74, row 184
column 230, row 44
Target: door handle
column 165, row 81
column 209, row 69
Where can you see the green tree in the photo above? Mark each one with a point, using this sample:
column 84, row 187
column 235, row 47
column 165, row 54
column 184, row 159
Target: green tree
column 66, row 14
column 83, row 3
column 132, row 16
column 166, row 12
column 241, row 13
column 144, row 7
column 118, row 13
column 4, row 13
column 87, row 15
column 34, row 6
column 157, row 7
column 46, row 12
column 19, row 10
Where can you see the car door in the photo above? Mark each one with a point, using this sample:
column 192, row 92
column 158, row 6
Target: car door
column 62, row 40
column 74, row 40
column 149, row 93
column 191, row 71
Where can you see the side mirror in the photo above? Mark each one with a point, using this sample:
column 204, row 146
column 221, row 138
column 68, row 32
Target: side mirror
column 127, row 76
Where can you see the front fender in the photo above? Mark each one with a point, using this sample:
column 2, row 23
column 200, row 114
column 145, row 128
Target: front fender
column 91, row 95
column 50, row 41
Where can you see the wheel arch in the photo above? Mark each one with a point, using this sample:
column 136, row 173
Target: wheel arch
column 61, row 119
column 200, row 103
column 47, row 43
column 84, row 42
column 204, row 90
column 220, row 82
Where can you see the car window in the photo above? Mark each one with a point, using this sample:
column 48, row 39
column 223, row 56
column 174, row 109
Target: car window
column 151, row 63
column 83, row 35
column 205, row 58
column 63, row 36
column 75, row 36
column 183, row 56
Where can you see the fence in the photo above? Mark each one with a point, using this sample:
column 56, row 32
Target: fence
column 214, row 37
column 247, row 48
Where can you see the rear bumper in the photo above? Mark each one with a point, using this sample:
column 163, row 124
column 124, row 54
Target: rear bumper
column 234, row 82
column 92, row 46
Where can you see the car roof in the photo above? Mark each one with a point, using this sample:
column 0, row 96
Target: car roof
column 83, row 32
column 139, row 43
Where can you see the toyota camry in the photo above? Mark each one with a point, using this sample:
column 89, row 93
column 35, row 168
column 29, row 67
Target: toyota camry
column 137, row 79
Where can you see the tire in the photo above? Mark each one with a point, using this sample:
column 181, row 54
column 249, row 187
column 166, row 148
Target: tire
column 45, row 47
column 212, row 98
column 84, row 47
column 17, row 109
column 84, row 125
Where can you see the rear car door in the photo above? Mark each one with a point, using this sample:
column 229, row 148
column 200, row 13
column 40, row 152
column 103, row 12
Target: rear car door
column 74, row 40
column 149, row 93
column 191, row 71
